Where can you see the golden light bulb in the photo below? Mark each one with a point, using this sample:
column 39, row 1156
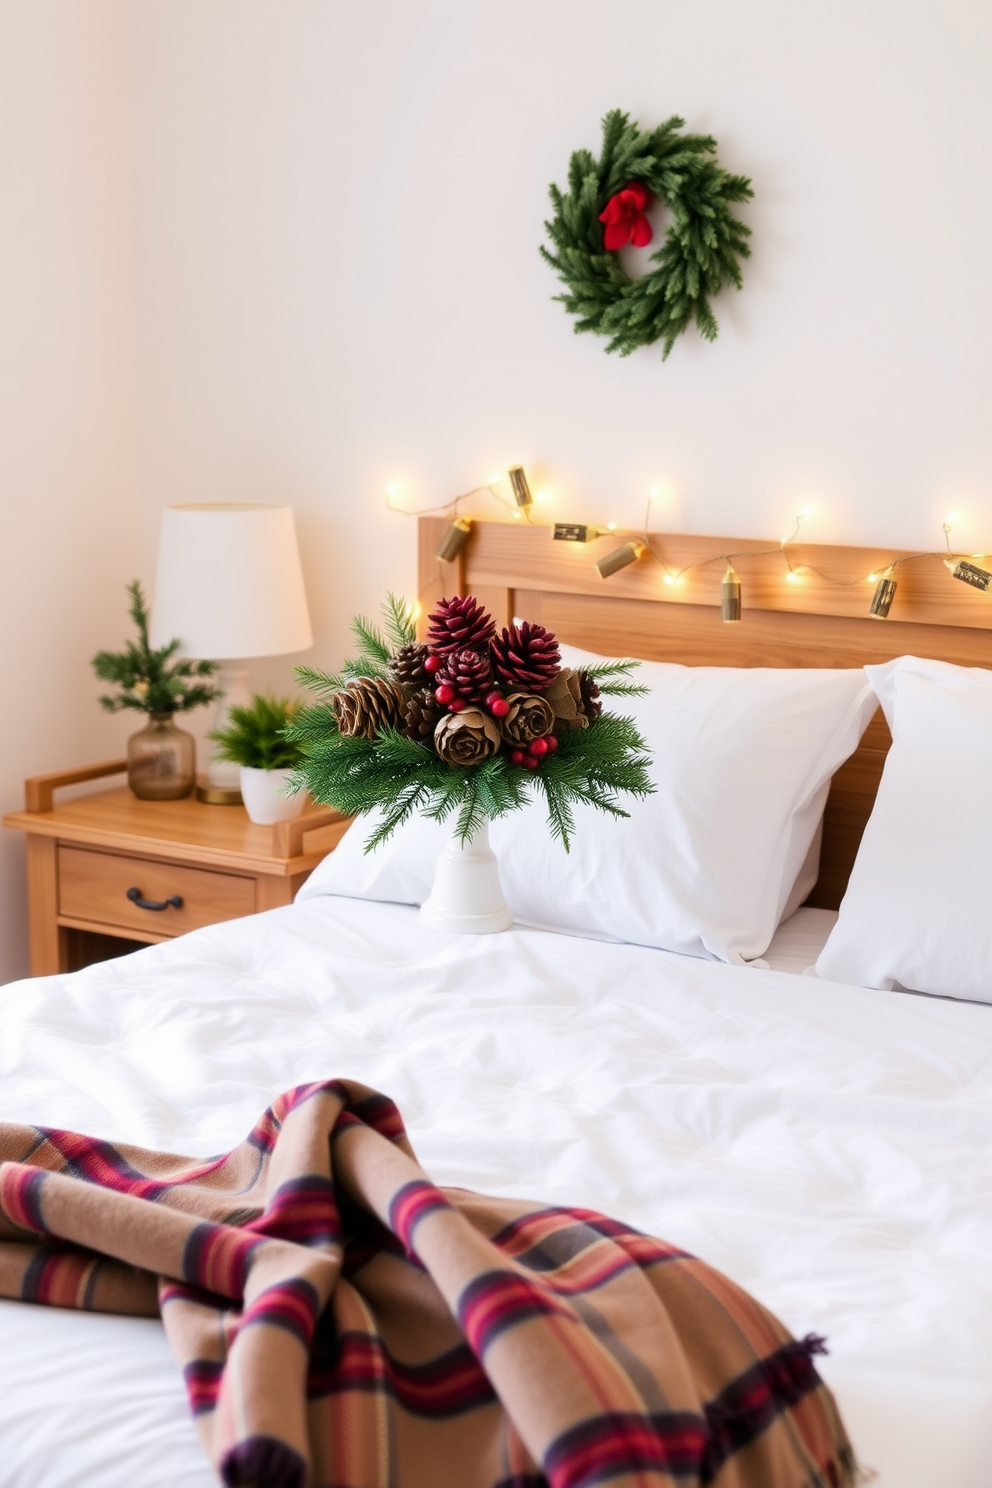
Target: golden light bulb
column 494, row 477
column 611, row 526
column 872, row 579
column 541, row 496
column 390, row 490
column 792, row 578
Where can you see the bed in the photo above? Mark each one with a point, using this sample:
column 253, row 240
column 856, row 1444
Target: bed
column 828, row 1146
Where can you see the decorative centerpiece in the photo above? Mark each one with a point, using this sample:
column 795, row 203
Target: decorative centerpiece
column 254, row 739
column 161, row 759
column 468, row 724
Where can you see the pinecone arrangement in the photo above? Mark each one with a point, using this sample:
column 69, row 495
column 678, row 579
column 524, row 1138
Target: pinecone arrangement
column 503, row 675
column 507, row 691
column 462, row 721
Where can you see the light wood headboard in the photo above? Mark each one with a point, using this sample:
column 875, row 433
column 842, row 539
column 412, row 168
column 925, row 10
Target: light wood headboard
column 516, row 568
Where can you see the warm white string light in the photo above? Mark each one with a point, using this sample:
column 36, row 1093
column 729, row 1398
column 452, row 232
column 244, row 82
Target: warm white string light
column 961, row 566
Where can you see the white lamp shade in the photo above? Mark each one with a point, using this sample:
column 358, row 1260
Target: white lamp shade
column 229, row 582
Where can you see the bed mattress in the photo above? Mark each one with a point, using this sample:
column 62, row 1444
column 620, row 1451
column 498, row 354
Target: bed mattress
column 830, row 1148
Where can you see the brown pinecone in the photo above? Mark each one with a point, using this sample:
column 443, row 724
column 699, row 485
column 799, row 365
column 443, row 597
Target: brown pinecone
column 469, row 673
column 457, row 623
column 530, row 717
column 566, row 701
column 367, row 705
column 591, row 701
column 466, row 738
column 526, row 656
column 407, row 665
column 420, row 715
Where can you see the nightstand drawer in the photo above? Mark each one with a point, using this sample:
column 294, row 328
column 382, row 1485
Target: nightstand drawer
column 94, row 886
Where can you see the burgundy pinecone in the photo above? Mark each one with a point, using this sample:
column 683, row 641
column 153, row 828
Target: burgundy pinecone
column 591, row 702
column 407, row 665
column 459, row 623
column 469, row 673
column 526, row 656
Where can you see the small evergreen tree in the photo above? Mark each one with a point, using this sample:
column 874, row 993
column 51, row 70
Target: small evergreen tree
column 150, row 681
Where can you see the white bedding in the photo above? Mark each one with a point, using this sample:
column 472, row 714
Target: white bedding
column 829, row 1147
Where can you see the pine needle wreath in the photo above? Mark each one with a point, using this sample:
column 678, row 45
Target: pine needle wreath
column 593, row 758
column 700, row 253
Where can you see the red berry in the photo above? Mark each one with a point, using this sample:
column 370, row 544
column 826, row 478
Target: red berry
column 499, row 707
column 456, row 705
column 444, row 693
column 432, row 663
column 538, row 747
column 517, row 757
column 531, row 761
column 551, row 742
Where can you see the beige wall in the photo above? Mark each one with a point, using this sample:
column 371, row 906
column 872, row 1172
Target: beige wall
column 339, row 284
column 67, row 508
column 301, row 262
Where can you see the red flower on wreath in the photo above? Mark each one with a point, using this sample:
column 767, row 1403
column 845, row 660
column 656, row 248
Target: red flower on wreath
column 625, row 219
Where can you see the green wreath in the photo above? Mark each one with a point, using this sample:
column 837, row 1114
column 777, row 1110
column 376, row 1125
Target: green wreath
column 701, row 248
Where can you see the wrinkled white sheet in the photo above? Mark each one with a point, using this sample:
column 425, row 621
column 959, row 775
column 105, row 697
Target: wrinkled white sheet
column 829, row 1147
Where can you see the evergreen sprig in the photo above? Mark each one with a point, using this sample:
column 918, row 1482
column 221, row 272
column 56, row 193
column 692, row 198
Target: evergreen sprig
column 255, row 734
column 698, row 256
column 150, row 681
column 399, row 776
column 373, row 651
column 613, row 678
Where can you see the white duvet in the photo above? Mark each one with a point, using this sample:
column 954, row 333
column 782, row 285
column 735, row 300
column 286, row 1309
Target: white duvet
column 829, row 1147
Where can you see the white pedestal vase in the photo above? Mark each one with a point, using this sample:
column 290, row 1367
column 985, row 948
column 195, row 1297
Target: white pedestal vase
column 262, row 793
column 467, row 897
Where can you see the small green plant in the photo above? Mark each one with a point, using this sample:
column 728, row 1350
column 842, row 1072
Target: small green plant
column 255, row 736
column 150, row 681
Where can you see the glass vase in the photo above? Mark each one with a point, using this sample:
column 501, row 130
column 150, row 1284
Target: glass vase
column 161, row 760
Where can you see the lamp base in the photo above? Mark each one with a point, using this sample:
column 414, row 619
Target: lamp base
column 224, row 775
column 218, row 795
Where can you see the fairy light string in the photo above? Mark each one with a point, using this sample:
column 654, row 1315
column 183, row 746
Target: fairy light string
column 961, row 566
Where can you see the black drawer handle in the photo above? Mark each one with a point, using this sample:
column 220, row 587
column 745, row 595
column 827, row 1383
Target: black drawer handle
column 174, row 900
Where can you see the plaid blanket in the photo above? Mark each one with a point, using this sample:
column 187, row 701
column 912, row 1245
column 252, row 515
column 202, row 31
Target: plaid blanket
column 342, row 1323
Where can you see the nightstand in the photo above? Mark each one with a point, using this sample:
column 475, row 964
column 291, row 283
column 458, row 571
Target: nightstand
column 107, row 872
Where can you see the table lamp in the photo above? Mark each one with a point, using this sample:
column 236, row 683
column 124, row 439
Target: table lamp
column 229, row 585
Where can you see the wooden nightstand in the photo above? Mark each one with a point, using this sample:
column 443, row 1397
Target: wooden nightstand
column 107, row 872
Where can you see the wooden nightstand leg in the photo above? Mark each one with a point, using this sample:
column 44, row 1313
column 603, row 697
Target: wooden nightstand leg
column 47, row 944
column 272, row 892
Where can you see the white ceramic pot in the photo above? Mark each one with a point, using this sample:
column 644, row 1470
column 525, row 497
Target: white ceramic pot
column 467, row 897
column 262, row 793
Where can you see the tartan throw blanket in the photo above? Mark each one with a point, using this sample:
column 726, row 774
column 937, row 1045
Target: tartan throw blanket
column 342, row 1323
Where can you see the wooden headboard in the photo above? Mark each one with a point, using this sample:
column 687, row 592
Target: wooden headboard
column 516, row 568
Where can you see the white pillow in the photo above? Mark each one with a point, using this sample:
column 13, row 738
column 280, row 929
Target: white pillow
column 742, row 760
column 918, row 909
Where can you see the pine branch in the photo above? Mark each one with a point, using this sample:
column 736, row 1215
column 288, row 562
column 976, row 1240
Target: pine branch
column 372, row 647
column 150, row 681
column 611, row 677
column 399, row 621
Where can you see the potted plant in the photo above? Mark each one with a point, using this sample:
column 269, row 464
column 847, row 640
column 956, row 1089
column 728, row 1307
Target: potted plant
column 161, row 758
column 254, row 737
